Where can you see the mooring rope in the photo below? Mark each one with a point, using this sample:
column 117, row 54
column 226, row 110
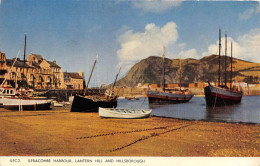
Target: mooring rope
column 147, row 137
column 123, row 132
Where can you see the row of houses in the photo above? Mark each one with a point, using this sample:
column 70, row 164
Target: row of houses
column 37, row 72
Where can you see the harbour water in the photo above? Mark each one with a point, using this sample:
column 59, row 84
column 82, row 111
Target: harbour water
column 248, row 111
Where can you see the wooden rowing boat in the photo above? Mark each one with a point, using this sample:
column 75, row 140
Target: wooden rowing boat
column 124, row 113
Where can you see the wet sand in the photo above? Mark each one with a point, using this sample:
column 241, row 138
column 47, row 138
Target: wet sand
column 64, row 133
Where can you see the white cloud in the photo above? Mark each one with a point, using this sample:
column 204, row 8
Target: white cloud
column 246, row 47
column 136, row 46
column 156, row 6
column 0, row 2
column 192, row 53
column 258, row 7
column 140, row 45
column 249, row 12
column 249, row 46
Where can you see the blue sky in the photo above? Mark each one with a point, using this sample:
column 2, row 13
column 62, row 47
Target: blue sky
column 122, row 33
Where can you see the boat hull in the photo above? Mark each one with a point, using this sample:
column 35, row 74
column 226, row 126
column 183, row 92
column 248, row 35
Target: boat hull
column 83, row 104
column 156, row 97
column 216, row 96
column 123, row 113
column 26, row 104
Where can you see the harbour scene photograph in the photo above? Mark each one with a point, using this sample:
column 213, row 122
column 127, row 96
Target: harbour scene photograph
column 120, row 82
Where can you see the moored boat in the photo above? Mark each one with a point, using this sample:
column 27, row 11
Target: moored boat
column 85, row 103
column 91, row 103
column 58, row 104
column 158, row 97
column 221, row 95
column 26, row 103
column 124, row 113
column 6, row 92
column 167, row 96
column 217, row 96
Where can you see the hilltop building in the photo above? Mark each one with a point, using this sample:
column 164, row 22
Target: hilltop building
column 38, row 73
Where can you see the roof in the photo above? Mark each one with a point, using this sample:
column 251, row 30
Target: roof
column 75, row 75
column 39, row 57
column 18, row 63
column 35, row 64
column 52, row 64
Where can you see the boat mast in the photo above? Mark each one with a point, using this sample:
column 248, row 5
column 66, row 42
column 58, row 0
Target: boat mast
column 163, row 85
column 24, row 60
column 90, row 75
column 225, row 59
column 116, row 78
column 219, row 56
column 180, row 72
column 231, row 68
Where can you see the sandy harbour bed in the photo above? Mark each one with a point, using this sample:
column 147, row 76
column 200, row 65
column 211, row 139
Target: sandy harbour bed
column 64, row 133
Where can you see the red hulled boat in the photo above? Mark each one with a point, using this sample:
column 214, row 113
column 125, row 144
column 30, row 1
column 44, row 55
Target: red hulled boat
column 222, row 95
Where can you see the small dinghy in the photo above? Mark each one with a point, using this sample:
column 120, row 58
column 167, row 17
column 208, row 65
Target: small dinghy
column 58, row 104
column 123, row 113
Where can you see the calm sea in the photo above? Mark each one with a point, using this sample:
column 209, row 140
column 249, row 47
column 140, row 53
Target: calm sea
column 247, row 111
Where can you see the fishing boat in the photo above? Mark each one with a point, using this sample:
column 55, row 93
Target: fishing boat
column 124, row 113
column 26, row 103
column 169, row 96
column 221, row 95
column 87, row 103
column 24, row 100
column 6, row 92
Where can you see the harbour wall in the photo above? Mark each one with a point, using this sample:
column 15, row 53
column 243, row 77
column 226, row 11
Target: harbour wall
column 63, row 95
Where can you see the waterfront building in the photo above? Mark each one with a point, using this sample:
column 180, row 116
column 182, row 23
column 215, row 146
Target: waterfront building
column 3, row 69
column 37, row 73
column 73, row 80
column 48, row 74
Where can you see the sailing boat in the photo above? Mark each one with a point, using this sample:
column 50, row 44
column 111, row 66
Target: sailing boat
column 92, row 103
column 24, row 101
column 222, row 95
column 168, row 97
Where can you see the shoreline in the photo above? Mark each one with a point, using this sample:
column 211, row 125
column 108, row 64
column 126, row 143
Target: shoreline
column 203, row 120
column 63, row 133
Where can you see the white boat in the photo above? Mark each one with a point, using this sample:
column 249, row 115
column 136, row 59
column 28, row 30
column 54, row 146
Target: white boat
column 123, row 113
column 26, row 103
column 6, row 92
column 71, row 98
column 58, row 104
